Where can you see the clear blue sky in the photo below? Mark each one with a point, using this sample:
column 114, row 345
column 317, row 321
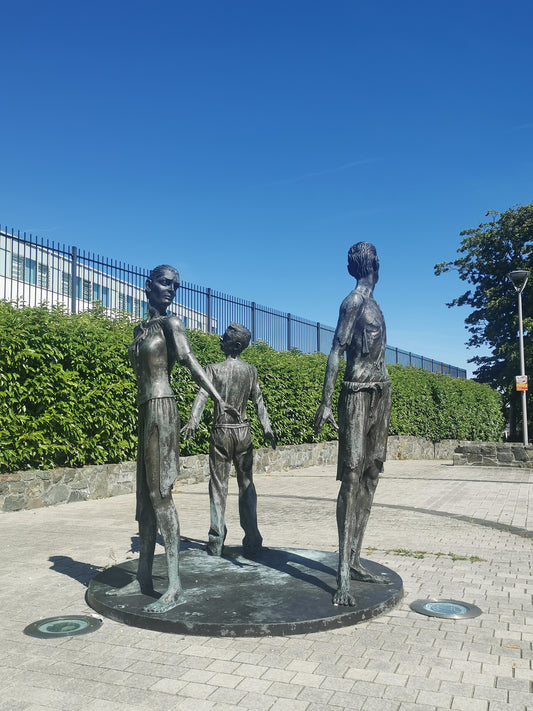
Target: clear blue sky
column 251, row 142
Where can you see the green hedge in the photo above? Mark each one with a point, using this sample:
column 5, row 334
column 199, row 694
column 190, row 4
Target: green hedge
column 440, row 407
column 67, row 392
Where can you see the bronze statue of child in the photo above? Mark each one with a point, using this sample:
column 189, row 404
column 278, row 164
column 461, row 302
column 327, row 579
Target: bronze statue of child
column 231, row 441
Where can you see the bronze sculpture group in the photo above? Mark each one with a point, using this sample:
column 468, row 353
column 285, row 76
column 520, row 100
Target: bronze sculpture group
column 363, row 414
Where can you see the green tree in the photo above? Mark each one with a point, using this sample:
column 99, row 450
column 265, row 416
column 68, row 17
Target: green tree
column 487, row 254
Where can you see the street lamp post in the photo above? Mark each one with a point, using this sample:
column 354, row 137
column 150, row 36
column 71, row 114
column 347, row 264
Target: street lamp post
column 519, row 279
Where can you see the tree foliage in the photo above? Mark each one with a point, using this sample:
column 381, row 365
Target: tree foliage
column 488, row 253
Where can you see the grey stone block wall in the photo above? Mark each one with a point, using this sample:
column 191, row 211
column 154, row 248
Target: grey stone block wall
column 35, row 488
column 489, row 454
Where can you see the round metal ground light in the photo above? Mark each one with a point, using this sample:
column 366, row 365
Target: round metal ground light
column 67, row 626
column 449, row 609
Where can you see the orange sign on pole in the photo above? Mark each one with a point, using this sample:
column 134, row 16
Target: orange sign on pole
column 521, row 382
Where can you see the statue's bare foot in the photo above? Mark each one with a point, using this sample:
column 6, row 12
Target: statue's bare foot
column 363, row 575
column 166, row 602
column 253, row 550
column 214, row 550
column 133, row 588
column 343, row 596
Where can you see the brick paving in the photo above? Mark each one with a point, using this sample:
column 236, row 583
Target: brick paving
column 454, row 532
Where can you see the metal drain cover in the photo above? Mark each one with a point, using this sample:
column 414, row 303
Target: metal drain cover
column 450, row 609
column 63, row 626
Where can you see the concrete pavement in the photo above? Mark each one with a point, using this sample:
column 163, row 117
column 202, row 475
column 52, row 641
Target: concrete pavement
column 453, row 532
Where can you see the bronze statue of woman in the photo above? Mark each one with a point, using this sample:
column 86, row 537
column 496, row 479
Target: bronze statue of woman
column 158, row 343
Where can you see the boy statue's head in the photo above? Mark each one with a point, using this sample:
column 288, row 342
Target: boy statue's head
column 235, row 339
column 362, row 260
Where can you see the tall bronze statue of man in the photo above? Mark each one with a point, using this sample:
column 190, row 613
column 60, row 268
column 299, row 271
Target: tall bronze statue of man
column 363, row 412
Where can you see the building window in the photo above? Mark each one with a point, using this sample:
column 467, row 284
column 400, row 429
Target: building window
column 30, row 271
column 3, row 262
column 105, row 296
column 83, row 289
column 42, row 276
column 17, row 267
column 65, row 283
column 96, row 292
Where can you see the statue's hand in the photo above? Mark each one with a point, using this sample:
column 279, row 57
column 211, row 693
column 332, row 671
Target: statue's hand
column 324, row 415
column 230, row 410
column 269, row 436
column 189, row 429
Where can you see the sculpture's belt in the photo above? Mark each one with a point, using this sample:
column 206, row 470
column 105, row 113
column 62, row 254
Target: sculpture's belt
column 230, row 425
column 358, row 386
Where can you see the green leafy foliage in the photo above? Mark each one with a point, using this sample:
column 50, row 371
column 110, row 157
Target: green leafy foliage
column 67, row 392
column 487, row 254
column 437, row 407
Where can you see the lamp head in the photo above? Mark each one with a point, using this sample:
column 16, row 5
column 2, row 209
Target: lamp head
column 519, row 279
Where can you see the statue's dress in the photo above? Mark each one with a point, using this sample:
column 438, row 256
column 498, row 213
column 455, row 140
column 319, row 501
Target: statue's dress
column 159, row 422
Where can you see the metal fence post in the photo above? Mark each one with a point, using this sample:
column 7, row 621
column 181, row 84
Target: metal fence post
column 73, row 273
column 318, row 337
column 208, row 310
column 253, row 321
column 288, row 332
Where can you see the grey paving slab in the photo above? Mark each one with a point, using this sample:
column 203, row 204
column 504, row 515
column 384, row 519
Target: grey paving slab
column 454, row 532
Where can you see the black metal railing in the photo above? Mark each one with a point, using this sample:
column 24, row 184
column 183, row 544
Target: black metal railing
column 34, row 271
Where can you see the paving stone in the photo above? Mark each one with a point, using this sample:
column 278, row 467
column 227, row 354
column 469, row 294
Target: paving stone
column 400, row 693
column 169, row 686
column 315, row 696
column 289, row 705
column 423, row 683
column 346, row 700
column 500, row 706
column 196, row 690
column 193, row 705
column 305, row 679
column 373, row 704
column 461, row 703
column 281, row 675
column 225, row 681
column 361, row 674
column 434, row 698
column 229, row 696
column 256, row 701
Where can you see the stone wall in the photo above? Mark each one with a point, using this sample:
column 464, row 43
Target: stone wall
column 489, row 454
column 35, row 488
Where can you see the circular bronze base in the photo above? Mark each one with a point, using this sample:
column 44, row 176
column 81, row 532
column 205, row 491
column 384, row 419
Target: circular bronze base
column 277, row 592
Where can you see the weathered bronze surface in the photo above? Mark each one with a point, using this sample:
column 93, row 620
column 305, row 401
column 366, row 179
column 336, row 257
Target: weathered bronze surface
column 158, row 343
column 363, row 412
column 231, row 441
